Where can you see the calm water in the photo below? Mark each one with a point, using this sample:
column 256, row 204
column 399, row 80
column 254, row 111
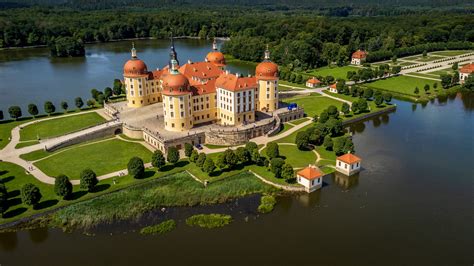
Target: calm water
column 32, row 76
column 412, row 205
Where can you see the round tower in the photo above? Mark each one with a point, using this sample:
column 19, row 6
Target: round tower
column 176, row 93
column 135, row 75
column 266, row 74
column 215, row 56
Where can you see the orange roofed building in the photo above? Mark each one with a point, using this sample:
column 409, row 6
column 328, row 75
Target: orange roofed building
column 359, row 57
column 201, row 92
column 465, row 72
column 310, row 177
column 348, row 164
column 313, row 82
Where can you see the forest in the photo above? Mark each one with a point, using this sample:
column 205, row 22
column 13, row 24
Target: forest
column 298, row 39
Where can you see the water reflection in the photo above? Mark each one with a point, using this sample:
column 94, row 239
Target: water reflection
column 376, row 122
column 38, row 235
column 385, row 119
column 413, row 107
column 344, row 181
column 310, row 199
column 8, row 241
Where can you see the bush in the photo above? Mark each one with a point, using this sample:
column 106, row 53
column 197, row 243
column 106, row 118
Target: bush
column 272, row 150
column 62, row 186
column 209, row 165
column 201, row 159
column 188, row 149
column 287, row 171
column 30, row 195
column 161, row 228
column 243, row 154
column 173, row 155
column 194, row 156
column 250, row 146
column 88, row 180
column 276, row 166
column 135, row 167
column 266, row 204
column 231, row 159
column 209, row 220
column 158, row 159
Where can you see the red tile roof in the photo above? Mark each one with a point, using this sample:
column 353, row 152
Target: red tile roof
column 310, row 173
column 468, row 69
column 314, row 80
column 333, row 86
column 206, row 88
column 233, row 83
column 359, row 54
column 200, row 70
column 349, row 158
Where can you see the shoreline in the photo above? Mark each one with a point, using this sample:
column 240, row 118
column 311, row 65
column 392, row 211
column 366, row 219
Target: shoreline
column 120, row 40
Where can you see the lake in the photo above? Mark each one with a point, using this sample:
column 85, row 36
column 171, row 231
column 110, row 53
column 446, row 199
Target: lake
column 411, row 205
column 30, row 75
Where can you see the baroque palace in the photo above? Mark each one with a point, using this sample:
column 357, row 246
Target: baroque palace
column 199, row 102
column 202, row 92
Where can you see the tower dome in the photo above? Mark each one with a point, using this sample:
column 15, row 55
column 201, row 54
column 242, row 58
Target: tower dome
column 215, row 56
column 134, row 67
column 173, row 82
column 266, row 69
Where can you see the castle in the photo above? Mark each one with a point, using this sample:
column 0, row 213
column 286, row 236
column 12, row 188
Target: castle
column 202, row 92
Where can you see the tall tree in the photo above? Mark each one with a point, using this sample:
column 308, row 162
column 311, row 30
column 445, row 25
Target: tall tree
column 15, row 112
column 33, row 109
column 64, row 106
column 136, row 167
column 88, row 179
column 49, row 107
column 158, row 159
column 272, row 150
column 30, row 195
column 173, row 155
column 78, row 102
column 62, row 186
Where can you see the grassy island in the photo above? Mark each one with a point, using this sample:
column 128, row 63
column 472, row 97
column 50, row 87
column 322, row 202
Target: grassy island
column 209, row 220
column 161, row 228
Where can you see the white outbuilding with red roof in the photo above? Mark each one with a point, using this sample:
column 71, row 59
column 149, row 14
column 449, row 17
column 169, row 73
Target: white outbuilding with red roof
column 465, row 72
column 358, row 57
column 313, row 82
column 310, row 177
column 348, row 164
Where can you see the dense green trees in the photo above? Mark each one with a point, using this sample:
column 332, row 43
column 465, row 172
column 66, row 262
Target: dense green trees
column 298, row 39
column 302, row 140
column 15, row 112
column 136, row 167
column 173, row 155
column 209, row 165
column 78, row 102
column 272, row 150
column 117, row 89
column 3, row 199
column 62, row 186
column 276, row 165
column 49, row 107
column 158, row 159
column 188, row 149
column 33, row 109
column 67, row 46
column 200, row 160
column 30, row 195
column 88, row 180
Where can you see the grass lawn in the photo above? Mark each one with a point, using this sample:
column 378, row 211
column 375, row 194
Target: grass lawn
column 451, row 53
column 313, row 104
column 295, row 157
column 336, row 72
column 96, row 156
column 425, row 75
column 292, row 137
column 287, row 83
column 403, row 84
column 212, row 146
column 420, row 58
column 23, row 144
column 59, row 126
column 447, row 70
column 299, row 121
column 173, row 190
column 285, row 127
column 6, row 129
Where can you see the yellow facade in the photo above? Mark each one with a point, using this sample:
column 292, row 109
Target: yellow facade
column 177, row 111
column 267, row 95
column 204, row 108
column 141, row 91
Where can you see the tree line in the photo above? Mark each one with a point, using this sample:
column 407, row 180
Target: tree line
column 298, row 40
